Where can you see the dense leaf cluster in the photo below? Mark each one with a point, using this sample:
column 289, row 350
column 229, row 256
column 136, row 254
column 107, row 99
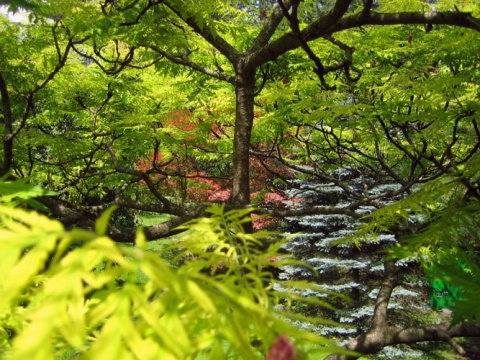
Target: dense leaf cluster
column 78, row 293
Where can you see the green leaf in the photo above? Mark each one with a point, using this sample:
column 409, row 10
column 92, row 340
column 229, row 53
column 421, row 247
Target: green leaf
column 101, row 224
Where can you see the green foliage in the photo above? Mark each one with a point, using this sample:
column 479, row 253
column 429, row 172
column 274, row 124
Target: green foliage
column 221, row 248
column 439, row 223
column 14, row 5
column 410, row 118
column 14, row 193
column 56, row 300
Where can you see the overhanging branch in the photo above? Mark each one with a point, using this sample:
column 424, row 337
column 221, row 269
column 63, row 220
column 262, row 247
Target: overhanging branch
column 185, row 61
column 71, row 215
column 325, row 25
column 460, row 19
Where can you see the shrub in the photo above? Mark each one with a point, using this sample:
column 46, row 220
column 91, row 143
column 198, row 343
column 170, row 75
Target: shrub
column 59, row 302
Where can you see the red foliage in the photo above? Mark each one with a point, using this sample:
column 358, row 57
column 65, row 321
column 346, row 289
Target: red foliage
column 181, row 119
column 263, row 222
column 181, row 174
column 282, row 349
column 274, row 197
column 260, row 177
column 202, row 188
column 219, row 196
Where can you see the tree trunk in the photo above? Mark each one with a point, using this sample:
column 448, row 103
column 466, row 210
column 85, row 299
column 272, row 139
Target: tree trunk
column 7, row 120
column 244, row 91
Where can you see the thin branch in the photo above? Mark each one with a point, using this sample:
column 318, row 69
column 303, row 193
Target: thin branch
column 271, row 24
column 168, row 206
column 114, row 4
column 10, row 132
column 294, row 25
column 185, row 61
column 204, row 31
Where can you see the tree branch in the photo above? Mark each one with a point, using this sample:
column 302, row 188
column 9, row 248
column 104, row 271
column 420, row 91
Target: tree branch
column 460, row 19
column 204, row 31
column 10, row 132
column 381, row 334
column 330, row 23
column 271, row 25
column 183, row 60
column 117, row 65
column 84, row 217
column 390, row 281
column 168, row 207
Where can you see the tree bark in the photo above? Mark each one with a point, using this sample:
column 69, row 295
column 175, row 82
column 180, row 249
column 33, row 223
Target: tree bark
column 330, row 23
column 244, row 92
column 84, row 217
column 8, row 121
